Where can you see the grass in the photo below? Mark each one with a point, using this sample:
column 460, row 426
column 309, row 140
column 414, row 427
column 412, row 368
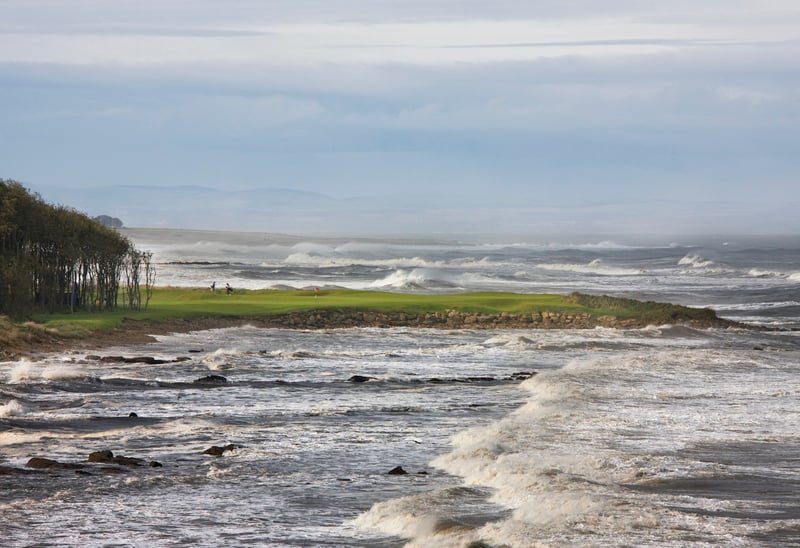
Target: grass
column 186, row 303
column 172, row 303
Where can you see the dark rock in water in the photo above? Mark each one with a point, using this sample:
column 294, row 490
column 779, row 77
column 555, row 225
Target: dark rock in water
column 397, row 471
column 108, row 457
column 48, row 464
column 127, row 461
column 359, row 378
column 758, row 347
column 132, row 415
column 149, row 360
column 522, row 375
column 101, row 456
column 11, row 471
column 155, row 464
column 217, row 450
column 196, row 350
column 211, row 379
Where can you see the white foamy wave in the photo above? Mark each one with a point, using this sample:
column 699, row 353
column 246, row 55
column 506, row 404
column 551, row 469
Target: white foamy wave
column 419, row 278
column 221, row 359
column 61, row 373
column 23, row 371
column 753, row 306
column 756, row 273
column 695, row 261
column 794, row 277
column 11, row 409
column 399, row 517
column 594, row 267
column 30, row 372
column 511, row 341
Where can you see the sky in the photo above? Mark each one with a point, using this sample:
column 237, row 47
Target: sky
column 408, row 116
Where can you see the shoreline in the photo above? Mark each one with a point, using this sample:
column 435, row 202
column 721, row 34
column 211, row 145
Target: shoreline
column 32, row 340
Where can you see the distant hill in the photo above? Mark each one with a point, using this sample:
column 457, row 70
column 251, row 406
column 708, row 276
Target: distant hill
column 110, row 222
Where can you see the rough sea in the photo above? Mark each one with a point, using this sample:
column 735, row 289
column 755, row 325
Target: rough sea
column 662, row 436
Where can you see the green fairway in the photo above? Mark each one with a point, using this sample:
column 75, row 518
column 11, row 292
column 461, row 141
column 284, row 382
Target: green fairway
column 188, row 303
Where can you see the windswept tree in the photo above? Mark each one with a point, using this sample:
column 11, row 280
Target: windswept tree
column 55, row 258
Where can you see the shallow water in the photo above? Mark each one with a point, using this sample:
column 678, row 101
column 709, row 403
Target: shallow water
column 664, row 436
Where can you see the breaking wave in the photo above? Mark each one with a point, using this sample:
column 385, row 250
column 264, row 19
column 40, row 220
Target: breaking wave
column 596, row 267
column 419, row 278
column 11, row 409
column 696, row 261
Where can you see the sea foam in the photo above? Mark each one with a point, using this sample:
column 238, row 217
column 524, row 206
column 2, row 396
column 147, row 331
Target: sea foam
column 11, row 408
column 596, row 267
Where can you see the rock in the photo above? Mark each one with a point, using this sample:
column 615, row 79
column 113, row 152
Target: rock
column 397, row 471
column 108, row 457
column 112, row 359
column 40, row 463
column 101, row 456
column 132, row 415
column 11, row 471
column 211, row 379
column 359, row 378
column 217, row 450
column 155, row 464
column 127, row 461
column 149, row 360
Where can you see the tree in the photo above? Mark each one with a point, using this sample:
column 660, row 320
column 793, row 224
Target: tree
column 55, row 258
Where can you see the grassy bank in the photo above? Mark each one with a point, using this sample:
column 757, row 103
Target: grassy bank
column 182, row 309
column 187, row 303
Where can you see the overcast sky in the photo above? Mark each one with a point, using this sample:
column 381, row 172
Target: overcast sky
column 407, row 115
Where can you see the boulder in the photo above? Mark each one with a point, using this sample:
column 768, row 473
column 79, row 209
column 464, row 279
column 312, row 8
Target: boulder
column 359, row 378
column 108, row 457
column 211, row 379
column 217, row 450
column 11, row 471
column 40, row 463
column 397, row 471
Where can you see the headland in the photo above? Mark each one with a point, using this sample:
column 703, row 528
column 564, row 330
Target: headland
column 178, row 310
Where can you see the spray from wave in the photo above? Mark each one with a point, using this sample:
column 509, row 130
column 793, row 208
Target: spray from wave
column 419, row 278
column 696, row 261
column 11, row 409
column 596, row 267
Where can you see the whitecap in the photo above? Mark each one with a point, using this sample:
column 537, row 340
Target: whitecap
column 419, row 278
column 61, row 373
column 593, row 267
column 695, row 261
column 221, row 359
column 11, row 409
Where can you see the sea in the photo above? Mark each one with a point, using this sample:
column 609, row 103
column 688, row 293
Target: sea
column 661, row 436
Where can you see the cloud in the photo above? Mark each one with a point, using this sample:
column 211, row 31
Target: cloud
column 445, row 105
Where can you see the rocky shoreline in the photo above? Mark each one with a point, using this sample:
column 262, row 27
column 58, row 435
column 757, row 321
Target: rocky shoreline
column 31, row 340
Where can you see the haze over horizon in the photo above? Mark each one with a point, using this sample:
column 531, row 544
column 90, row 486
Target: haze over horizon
column 446, row 116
